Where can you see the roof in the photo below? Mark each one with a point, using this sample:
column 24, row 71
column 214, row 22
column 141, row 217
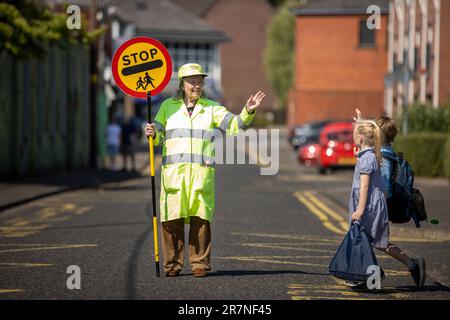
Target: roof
column 166, row 21
column 339, row 7
column 196, row 7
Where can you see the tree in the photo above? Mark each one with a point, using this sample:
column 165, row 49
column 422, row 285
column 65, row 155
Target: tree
column 26, row 28
column 277, row 3
column 279, row 51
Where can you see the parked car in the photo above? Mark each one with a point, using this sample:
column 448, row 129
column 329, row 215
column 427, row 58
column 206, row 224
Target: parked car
column 336, row 144
column 308, row 154
column 306, row 133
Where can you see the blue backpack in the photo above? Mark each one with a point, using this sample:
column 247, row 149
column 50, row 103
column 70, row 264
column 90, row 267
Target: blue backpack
column 405, row 202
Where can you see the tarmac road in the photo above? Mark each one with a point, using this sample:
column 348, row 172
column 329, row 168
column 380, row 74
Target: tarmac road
column 273, row 237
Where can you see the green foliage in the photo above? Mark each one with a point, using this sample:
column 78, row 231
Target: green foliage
column 279, row 52
column 260, row 121
column 424, row 152
column 26, row 28
column 426, row 118
column 447, row 158
column 277, row 3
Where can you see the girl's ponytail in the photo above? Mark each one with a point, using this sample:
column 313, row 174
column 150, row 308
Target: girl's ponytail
column 372, row 136
column 377, row 143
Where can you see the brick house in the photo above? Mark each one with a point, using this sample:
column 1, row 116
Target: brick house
column 340, row 63
column 242, row 70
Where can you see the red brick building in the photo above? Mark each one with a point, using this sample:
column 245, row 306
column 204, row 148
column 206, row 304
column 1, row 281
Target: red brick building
column 340, row 63
column 245, row 23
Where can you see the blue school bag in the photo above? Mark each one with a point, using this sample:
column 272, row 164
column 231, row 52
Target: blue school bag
column 354, row 256
column 406, row 202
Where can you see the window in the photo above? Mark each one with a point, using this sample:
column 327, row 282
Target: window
column 182, row 53
column 366, row 35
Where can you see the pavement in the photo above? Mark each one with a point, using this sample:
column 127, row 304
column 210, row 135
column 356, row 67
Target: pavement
column 19, row 192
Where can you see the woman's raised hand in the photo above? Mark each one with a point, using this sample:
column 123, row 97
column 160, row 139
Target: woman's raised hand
column 254, row 101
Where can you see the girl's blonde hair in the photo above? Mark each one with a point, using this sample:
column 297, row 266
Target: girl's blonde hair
column 371, row 134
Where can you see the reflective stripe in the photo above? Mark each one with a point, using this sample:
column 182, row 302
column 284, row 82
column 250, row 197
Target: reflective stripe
column 159, row 126
column 226, row 121
column 241, row 124
column 189, row 158
column 186, row 133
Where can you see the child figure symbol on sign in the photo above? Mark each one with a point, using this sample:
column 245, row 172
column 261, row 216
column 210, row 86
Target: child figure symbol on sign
column 148, row 80
column 140, row 83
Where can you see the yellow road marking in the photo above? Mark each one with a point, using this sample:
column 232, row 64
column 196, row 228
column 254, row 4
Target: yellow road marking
column 269, row 246
column 397, row 273
column 24, row 264
column 319, row 214
column 305, row 291
column 10, row 290
column 400, row 296
column 16, row 232
column 298, row 244
column 273, row 261
column 332, row 292
column 25, row 244
column 337, row 217
column 69, row 206
column 56, row 247
column 319, row 286
column 321, row 209
column 288, row 236
column 330, row 298
column 40, row 220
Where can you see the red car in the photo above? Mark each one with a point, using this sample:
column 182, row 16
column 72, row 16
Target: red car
column 336, row 143
column 309, row 154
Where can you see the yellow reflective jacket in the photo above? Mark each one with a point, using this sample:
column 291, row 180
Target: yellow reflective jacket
column 187, row 173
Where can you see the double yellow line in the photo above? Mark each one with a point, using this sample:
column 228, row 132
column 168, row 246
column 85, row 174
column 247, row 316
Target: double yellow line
column 330, row 219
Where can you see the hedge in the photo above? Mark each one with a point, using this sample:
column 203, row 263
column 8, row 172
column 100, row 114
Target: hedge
column 447, row 158
column 425, row 118
column 426, row 152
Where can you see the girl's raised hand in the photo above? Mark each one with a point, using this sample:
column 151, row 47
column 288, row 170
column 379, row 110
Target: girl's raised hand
column 358, row 115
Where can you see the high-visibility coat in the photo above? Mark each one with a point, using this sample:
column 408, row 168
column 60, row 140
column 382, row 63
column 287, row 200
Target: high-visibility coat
column 187, row 173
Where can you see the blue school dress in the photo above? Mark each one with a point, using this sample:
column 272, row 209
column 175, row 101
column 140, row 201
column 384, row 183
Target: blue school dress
column 375, row 218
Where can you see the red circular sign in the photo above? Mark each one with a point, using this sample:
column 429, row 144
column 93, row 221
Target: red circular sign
column 141, row 64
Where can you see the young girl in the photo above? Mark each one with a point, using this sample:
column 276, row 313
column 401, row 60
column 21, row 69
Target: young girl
column 368, row 198
column 367, row 202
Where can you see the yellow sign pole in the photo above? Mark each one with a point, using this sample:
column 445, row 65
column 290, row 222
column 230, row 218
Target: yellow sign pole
column 152, row 174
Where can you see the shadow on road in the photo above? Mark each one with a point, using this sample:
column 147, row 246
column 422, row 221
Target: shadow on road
column 133, row 261
column 436, row 287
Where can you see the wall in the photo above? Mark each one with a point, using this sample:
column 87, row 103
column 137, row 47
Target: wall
column 333, row 75
column 246, row 23
column 44, row 108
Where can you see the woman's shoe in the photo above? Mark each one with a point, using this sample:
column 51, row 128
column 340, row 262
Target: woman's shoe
column 199, row 273
column 173, row 273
